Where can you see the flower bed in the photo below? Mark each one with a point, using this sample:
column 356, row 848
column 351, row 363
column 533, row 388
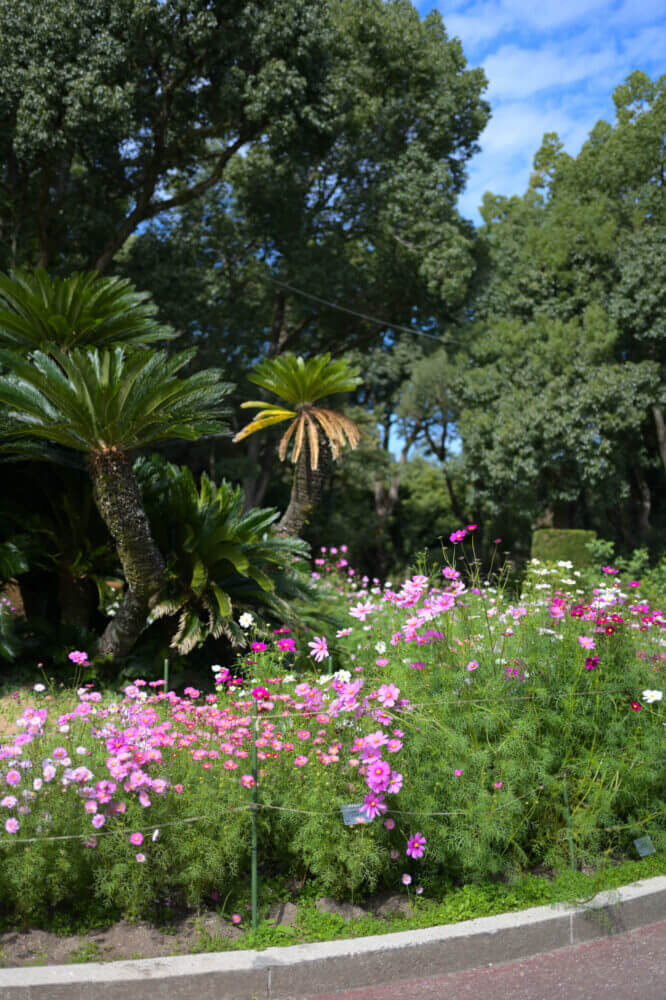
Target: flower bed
column 477, row 737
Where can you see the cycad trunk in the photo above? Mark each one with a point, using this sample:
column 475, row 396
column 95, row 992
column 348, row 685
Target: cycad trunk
column 305, row 490
column 118, row 500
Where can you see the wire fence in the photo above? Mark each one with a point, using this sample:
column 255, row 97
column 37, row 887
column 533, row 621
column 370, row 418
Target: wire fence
column 353, row 814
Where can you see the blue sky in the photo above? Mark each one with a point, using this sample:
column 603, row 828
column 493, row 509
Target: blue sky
column 552, row 66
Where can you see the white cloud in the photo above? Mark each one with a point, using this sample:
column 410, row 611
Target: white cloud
column 552, row 66
column 518, row 72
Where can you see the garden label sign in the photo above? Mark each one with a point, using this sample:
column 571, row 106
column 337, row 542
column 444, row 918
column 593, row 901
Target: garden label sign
column 644, row 846
column 352, row 815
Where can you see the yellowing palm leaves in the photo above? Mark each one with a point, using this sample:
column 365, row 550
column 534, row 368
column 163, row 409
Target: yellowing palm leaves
column 301, row 383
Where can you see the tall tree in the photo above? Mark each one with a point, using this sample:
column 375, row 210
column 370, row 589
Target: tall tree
column 113, row 113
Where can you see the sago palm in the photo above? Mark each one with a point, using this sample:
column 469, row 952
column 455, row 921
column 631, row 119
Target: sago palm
column 106, row 404
column 314, row 431
column 40, row 312
column 220, row 557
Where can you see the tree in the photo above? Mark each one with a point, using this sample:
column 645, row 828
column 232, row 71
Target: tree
column 584, row 247
column 362, row 215
column 114, row 113
column 314, row 431
column 106, row 404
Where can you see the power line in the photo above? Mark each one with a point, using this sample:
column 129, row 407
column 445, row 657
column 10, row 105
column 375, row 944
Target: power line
column 353, row 312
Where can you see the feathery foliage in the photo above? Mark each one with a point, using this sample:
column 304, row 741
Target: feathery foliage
column 221, row 561
column 84, row 310
column 301, row 383
column 101, row 400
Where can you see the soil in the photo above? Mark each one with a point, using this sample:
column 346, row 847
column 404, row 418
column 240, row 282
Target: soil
column 124, row 940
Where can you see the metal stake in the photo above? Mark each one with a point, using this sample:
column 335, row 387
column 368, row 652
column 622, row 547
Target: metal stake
column 254, row 816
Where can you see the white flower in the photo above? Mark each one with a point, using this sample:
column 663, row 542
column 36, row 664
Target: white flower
column 39, row 687
column 216, row 668
column 156, row 834
column 245, row 620
column 650, row 696
column 380, row 647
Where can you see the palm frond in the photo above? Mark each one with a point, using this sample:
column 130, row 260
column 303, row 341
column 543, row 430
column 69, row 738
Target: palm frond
column 40, row 312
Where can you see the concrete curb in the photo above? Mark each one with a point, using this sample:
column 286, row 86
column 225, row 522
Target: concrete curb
column 304, row 970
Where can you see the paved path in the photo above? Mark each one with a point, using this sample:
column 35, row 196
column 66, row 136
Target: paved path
column 626, row 967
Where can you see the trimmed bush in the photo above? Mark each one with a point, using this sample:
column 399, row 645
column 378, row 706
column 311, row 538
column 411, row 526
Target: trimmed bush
column 554, row 544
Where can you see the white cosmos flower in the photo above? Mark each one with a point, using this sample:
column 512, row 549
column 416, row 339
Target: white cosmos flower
column 650, row 696
column 245, row 620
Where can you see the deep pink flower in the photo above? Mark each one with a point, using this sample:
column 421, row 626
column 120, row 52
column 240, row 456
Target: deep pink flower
column 416, row 846
column 136, row 838
column 378, row 776
column 591, row 662
column 374, row 805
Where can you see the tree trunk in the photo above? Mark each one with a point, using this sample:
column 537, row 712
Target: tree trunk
column 305, row 490
column 658, row 415
column 118, row 500
column 78, row 599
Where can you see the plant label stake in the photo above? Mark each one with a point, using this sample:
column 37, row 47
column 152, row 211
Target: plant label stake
column 644, row 846
column 166, row 674
column 572, row 861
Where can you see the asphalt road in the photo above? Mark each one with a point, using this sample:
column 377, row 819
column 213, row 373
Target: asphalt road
column 625, row 967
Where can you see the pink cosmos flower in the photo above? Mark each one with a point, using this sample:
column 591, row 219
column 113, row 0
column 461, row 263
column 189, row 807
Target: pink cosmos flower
column 247, row 781
column 457, row 536
column 235, row 918
column 378, row 775
column 416, row 846
column 591, row 662
column 472, row 665
column 395, row 855
column 9, row 801
column 498, row 784
column 458, row 772
column 12, row 825
column 319, row 648
column 13, row 777
column 389, row 823
column 286, row 645
column 260, row 694
column 388, row 694
column 406, row 879
column 136, row 839
column 374, row 805
column 98, row 820
column 395, row 783
column 141, row 858
column 586, row 641
column 300, row 761
column 259, row 647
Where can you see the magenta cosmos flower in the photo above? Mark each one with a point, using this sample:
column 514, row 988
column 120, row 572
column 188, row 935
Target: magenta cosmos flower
column 136, row 838
column 416, row 846
column 374, row 805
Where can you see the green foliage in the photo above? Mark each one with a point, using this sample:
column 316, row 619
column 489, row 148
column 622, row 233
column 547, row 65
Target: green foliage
column 37, row 311
column 221, row 560
column 120, row 111
column 94, row 400
column 570, row 545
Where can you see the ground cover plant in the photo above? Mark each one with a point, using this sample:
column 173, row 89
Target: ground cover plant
column 478, row 735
